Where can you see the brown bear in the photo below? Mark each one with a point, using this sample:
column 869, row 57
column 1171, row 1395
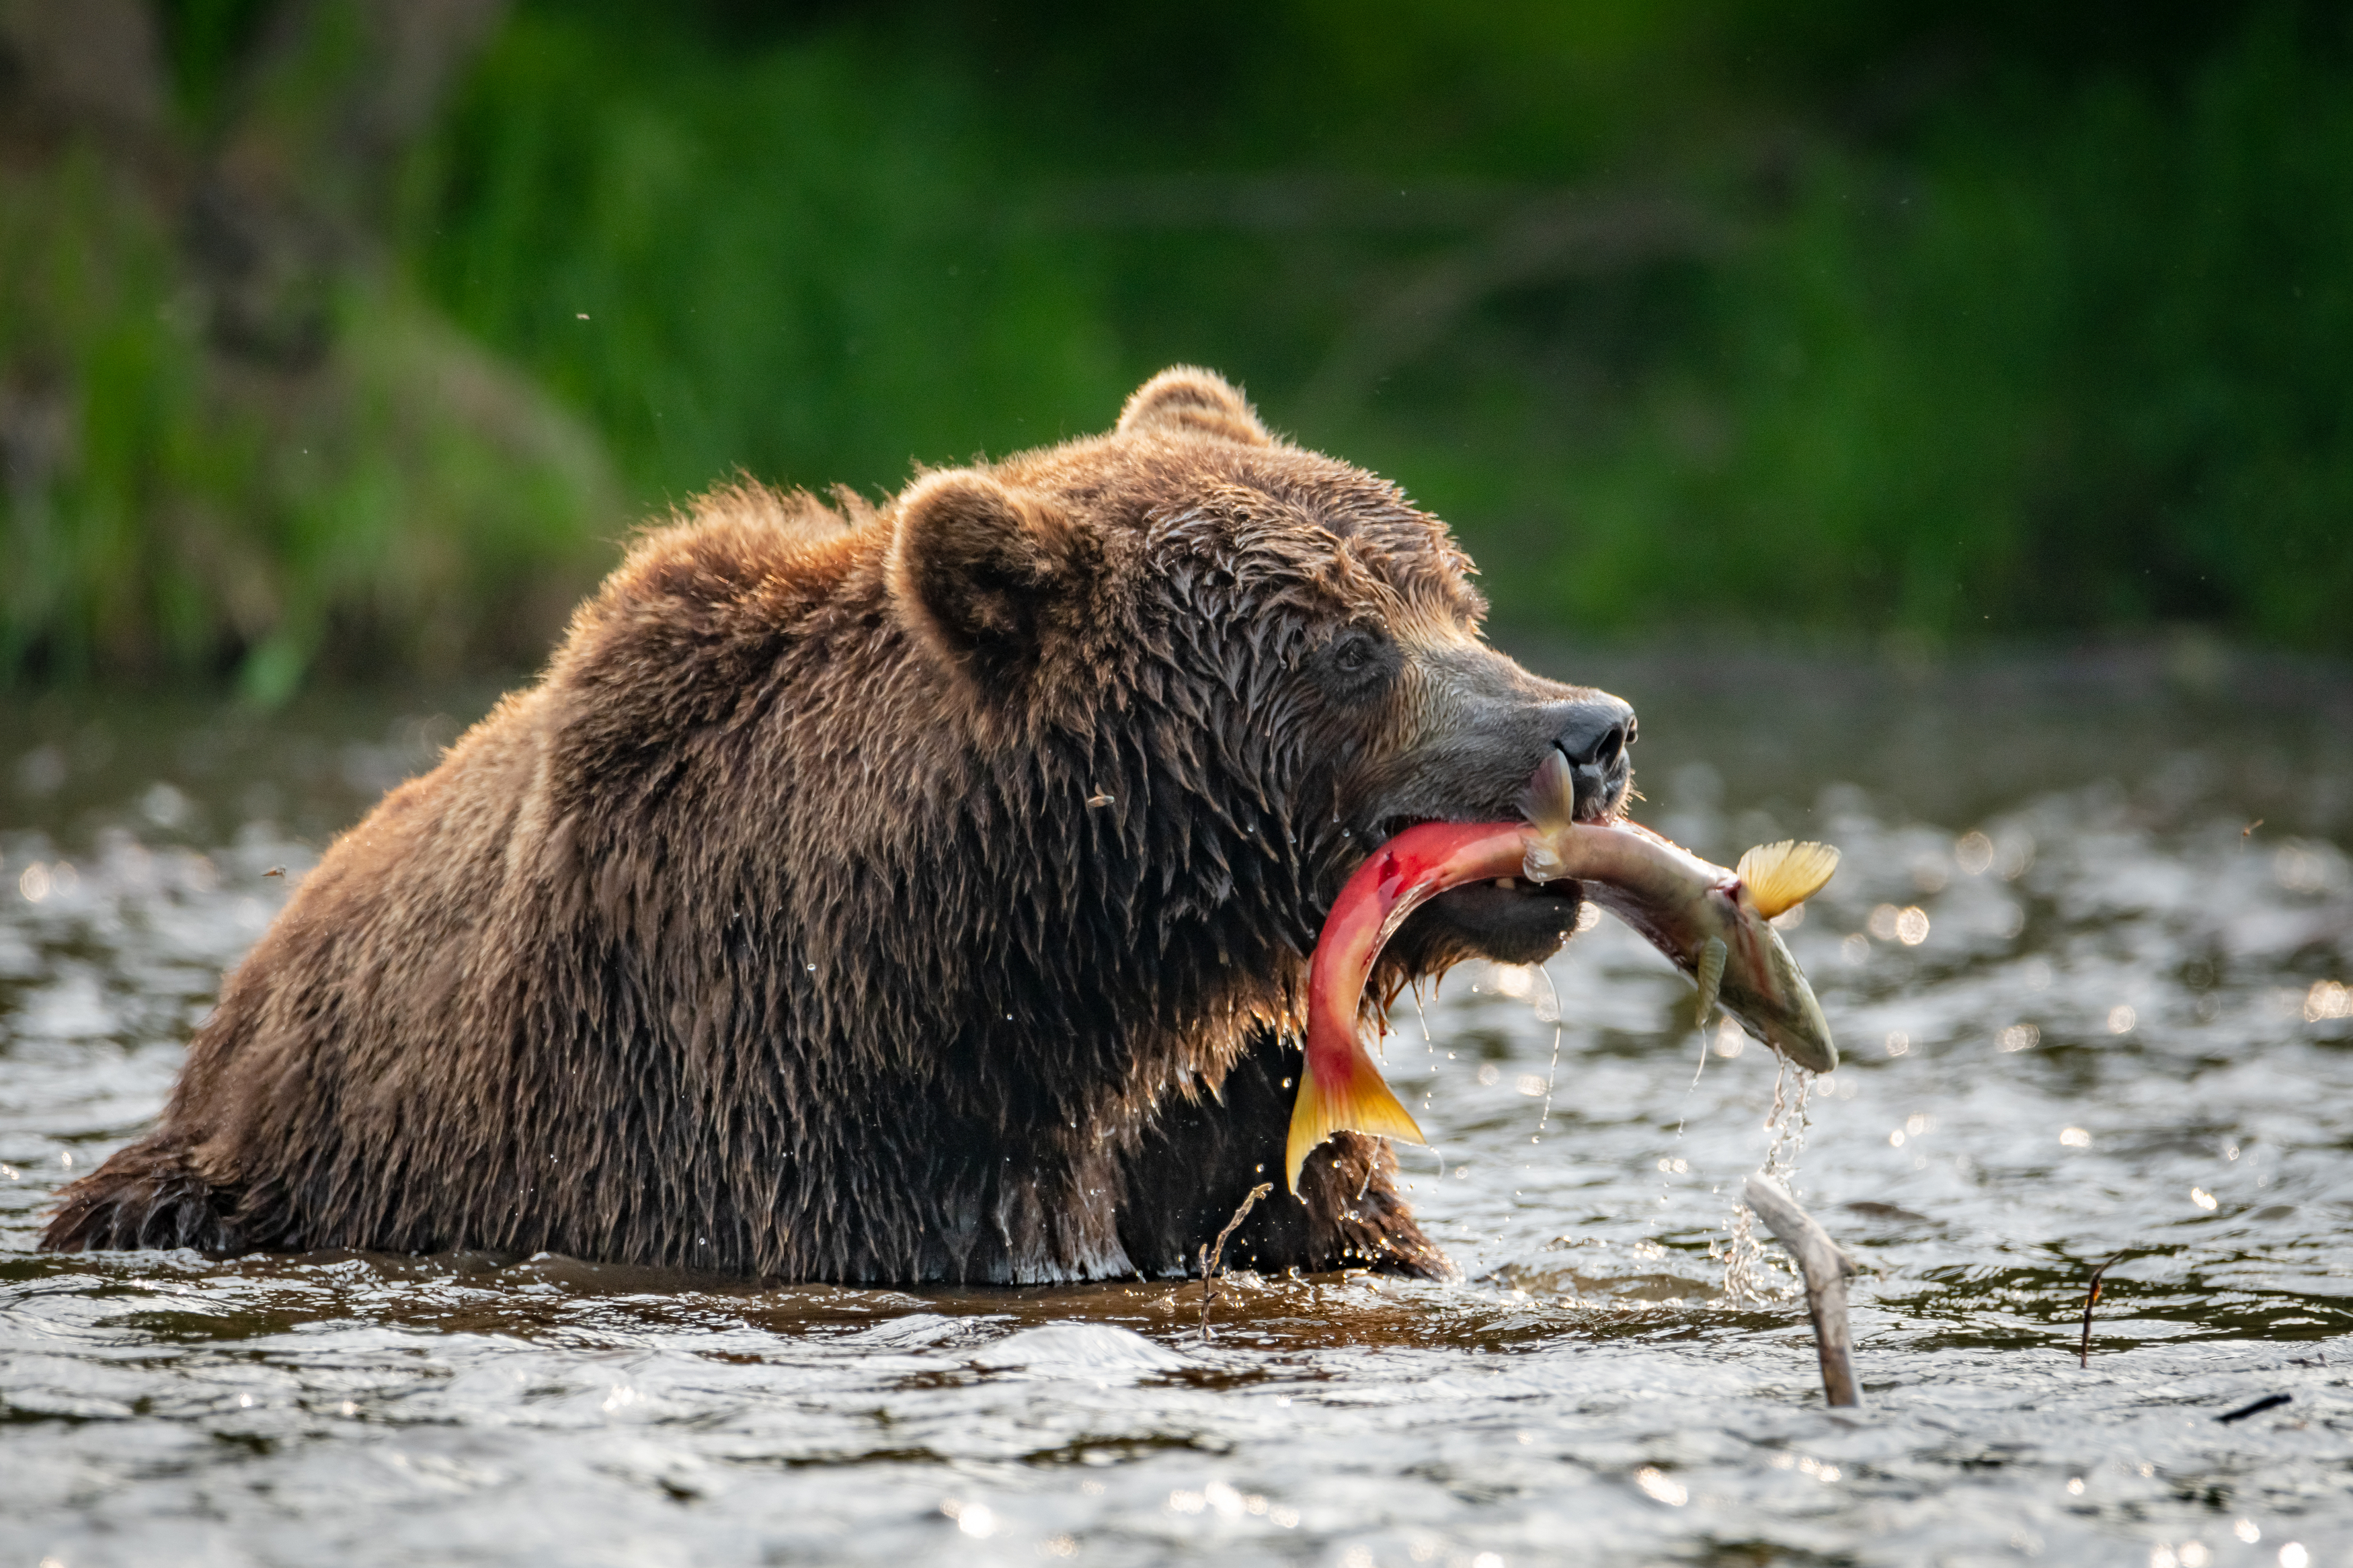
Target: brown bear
column 909, row 893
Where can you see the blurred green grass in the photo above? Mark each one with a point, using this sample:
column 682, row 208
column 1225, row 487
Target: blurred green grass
column 404, row 506
column 1814, row 322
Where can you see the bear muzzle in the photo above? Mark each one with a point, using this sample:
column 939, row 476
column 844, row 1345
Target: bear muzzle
column 1511, row 921
column 1596, row 742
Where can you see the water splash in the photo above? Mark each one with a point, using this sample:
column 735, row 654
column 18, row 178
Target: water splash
column 1749, row 1278
column 1550, row 1005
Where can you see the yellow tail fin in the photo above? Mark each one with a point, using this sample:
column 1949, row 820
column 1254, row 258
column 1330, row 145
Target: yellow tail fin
column 1361, row 1104
column 1782, row 875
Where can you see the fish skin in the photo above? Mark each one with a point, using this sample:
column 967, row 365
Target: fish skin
column 1686, row 906
column 1340, row 1087
column 1679, row 902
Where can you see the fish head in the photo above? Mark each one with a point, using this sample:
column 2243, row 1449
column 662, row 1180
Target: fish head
column 1774, row 1002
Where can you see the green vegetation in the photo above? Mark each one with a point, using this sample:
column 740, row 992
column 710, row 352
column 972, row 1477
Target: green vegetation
column 235, row 442
column 2080, row 363
column 405, row 499
column 1800, row 320
column 2065, row 342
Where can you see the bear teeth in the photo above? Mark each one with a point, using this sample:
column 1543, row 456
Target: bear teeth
column 1507, row 883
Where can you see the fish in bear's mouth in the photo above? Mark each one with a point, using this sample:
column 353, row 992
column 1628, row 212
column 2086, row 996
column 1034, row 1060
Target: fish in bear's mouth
column 1509, row 918
column 1711, row 922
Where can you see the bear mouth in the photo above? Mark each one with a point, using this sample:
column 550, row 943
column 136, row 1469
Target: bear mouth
column 1506, row 888
column 1517, row 922
column 1508, row 920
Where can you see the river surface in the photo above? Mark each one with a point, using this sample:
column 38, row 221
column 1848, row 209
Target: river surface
column 2086, row 958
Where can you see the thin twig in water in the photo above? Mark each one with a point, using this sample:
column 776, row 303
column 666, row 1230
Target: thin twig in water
column 2268, row 1401
column 2091, row 1299
column 1826, row 1266
column 1213, row 1257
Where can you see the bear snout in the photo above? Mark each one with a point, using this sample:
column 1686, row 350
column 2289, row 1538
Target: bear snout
column 1596, row 742
column 1499, row 722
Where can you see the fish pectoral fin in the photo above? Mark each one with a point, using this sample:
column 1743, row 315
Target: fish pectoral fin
column 1781, row 876
column 1711, row 976
column 1549, row 802
column 1360, row 1103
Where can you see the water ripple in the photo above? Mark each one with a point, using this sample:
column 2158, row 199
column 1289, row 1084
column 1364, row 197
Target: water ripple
column 2089, row 1015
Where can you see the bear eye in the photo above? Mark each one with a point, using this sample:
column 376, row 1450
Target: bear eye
column 1355, row 660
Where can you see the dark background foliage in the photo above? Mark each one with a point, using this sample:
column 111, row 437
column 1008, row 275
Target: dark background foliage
column 362, row 330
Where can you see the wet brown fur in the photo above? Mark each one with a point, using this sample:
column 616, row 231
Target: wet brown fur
column 773, row 931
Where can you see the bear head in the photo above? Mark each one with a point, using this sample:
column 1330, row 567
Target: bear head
column 1257, row 662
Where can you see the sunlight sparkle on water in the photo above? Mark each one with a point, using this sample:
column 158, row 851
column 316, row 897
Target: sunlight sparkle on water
column 1973, row 853
column 381, row 1409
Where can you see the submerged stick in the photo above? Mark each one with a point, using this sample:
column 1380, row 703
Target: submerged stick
column 1826, row 1266
column 1213, row 1257
column 2268, row 1401
column 2091, row 1299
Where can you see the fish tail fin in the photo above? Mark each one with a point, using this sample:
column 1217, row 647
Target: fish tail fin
column 1711, row 976
column 1781, row 876
column 1358, row 1101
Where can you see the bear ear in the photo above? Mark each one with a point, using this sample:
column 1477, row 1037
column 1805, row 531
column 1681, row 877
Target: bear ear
column 980, row 571
column 1185, row 400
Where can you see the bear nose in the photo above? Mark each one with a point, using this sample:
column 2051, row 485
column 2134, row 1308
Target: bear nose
column 1599, row 730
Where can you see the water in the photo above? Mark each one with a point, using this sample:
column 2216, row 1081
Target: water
column 2177, row 1086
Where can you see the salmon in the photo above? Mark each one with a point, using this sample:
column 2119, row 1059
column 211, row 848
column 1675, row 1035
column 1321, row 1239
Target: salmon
column 1709, row 922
